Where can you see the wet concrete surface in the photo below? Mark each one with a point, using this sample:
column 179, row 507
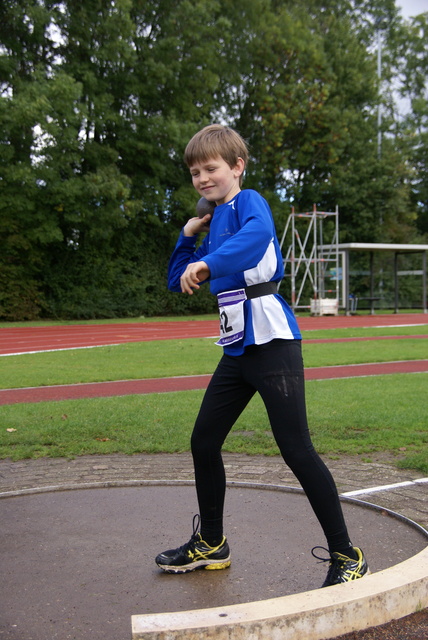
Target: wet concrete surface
column 78, row 564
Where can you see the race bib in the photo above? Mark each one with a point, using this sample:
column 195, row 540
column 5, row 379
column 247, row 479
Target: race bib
column 231, row 309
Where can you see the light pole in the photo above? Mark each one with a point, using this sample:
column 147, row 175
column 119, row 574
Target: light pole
column 379, row 75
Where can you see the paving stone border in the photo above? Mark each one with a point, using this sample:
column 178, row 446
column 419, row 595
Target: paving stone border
column 350, row 472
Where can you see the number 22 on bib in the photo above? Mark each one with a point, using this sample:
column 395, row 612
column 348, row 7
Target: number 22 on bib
column 231, row 309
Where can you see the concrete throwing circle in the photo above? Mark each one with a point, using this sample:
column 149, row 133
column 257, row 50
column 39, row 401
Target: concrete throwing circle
column 79, row 563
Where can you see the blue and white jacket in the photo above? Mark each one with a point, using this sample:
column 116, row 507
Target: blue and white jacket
column 241, row 249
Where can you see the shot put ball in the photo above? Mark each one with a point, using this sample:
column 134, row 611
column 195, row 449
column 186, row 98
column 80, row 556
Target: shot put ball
column 204, row 206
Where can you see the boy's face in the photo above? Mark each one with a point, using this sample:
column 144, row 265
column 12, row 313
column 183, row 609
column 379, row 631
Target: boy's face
column 215, row 180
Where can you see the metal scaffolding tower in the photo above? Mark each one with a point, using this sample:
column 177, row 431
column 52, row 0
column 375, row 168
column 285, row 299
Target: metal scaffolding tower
column 311, row 256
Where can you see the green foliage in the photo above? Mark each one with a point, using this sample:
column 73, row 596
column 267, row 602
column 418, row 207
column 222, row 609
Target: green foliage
column 98, row 100
column 413, row 64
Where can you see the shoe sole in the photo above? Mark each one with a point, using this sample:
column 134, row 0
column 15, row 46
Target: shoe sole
column 212, row 565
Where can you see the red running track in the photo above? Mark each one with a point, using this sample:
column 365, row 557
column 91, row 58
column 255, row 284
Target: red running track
column 33, row 339
column 19, row 340
column 185, row 383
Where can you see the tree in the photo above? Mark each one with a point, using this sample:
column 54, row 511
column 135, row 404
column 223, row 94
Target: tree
column 24, row 230
column 412, row 68
column 98, row 100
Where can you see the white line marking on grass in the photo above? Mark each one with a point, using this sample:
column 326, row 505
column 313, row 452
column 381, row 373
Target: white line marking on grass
column 91, row 346
column 394, row 326
column 384, row 487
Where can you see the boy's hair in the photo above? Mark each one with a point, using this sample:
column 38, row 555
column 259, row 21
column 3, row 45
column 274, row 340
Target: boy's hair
column 213, row 141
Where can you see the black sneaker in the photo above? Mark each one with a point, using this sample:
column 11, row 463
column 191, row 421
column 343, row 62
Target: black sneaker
column 342, row 568
column 195, row 554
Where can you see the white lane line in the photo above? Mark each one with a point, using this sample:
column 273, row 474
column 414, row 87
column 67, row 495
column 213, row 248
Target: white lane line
column 90, row 346
column 26, row 353
column 395, row 326
column 384, row 487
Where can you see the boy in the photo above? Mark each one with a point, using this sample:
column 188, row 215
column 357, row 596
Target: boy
column 241, row 258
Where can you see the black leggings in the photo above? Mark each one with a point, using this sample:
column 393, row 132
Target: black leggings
column 275, row 371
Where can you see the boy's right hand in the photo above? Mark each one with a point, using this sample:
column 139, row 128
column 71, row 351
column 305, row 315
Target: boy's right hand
column 197, row 225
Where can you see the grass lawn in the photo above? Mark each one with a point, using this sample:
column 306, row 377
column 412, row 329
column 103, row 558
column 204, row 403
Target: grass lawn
column 347, row 416
column 351, row 416
column 193, row 356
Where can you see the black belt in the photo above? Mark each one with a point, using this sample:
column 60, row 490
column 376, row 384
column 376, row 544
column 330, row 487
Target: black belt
column 262, row 289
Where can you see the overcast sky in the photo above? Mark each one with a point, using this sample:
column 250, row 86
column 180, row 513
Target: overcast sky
column 410, row 8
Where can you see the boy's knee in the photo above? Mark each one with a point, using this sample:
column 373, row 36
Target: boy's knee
column 198, row 445
column 203, row 446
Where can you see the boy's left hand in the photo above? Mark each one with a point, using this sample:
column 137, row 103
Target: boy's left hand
column 195, row 273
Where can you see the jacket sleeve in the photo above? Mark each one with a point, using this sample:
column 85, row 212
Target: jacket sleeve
column 245, row 248
column 183, row 254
